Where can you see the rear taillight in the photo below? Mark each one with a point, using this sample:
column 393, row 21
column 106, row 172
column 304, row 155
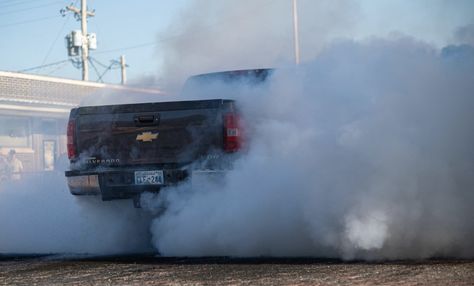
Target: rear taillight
column 71, row 139
column 232, row 133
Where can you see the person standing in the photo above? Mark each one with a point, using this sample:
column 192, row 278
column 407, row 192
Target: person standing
column 14, row 165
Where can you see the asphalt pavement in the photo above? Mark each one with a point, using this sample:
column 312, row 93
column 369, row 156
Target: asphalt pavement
column 155, row 270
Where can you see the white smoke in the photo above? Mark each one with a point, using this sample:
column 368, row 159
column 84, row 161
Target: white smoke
column 38, row 215
column 224, row 35
column 365, row 152
column 465, row 34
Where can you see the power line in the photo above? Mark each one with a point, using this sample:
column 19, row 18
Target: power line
column 106, row 70
column 114, row 64
column 60, row 66
column 43, row 66
column 57, row 36
column 128, row 48
column 95, row 69
column 98, row 62
column 111, row 66
column 28, row 21
column 30, row 8
column 15, row 3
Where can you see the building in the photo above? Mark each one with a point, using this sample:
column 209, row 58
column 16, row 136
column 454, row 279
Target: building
column 34, row 112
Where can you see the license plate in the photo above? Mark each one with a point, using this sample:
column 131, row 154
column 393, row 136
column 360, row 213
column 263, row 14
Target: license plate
column 148, row 177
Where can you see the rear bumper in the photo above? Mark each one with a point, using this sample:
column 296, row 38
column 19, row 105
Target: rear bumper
column 84, row 185
column 117, row 184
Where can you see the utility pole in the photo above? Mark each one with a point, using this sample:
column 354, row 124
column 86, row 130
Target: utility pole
column 82, row 40
column 85, row 45
column 295, row 32
column 123, row 66
column 82, row 14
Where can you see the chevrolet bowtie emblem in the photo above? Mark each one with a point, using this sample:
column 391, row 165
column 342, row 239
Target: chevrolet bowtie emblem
column 147, row 136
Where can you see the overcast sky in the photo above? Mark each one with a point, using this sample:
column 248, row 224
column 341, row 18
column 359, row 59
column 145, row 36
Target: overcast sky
column 144, row 31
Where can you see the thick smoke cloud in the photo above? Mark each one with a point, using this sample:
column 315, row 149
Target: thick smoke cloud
column 38, row 215
column 365, row 152
column 465, row 34
column 223, row 35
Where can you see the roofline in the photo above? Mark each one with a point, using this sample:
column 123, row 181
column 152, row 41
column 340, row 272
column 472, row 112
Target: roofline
column 35, row 108
column 80, row 82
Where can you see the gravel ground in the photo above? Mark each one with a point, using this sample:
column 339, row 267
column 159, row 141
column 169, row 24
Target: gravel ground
column 149, row 270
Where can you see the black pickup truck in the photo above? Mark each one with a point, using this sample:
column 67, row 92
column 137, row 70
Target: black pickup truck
column 120, row 151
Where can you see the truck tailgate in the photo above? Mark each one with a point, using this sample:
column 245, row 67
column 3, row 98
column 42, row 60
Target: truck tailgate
column 156, row 133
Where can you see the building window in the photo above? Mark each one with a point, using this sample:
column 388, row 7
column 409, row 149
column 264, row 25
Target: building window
column 14, row 131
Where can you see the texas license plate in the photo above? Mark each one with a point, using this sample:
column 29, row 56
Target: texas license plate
column 148, row 177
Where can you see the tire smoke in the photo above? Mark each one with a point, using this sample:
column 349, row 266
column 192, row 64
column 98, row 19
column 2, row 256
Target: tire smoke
column 364, row 153
column 38, row 215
